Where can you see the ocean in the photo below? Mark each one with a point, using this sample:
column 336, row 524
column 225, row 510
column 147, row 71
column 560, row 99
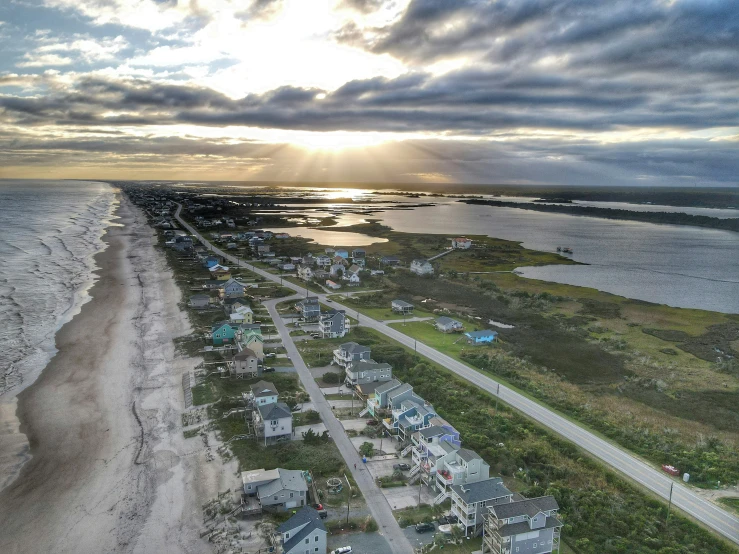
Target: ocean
column 50, row 232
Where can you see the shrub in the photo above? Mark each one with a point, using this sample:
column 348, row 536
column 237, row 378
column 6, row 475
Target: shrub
column 331, row 377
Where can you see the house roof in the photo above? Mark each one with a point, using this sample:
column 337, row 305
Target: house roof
column 390, row 259
column 288, row 479
column 481, row 334
column 404, row 387
column 524, row 527
column 390, row 385
column 259, row 476
column 275, row 410
column 354, row 268
column 307, row 515
column 402, row 303
column 234, row 300
column 200, row 297
column 232, row 282
column 354, row 348
column 220, row 324
column 433, row 431
column 420, row 261
column 369, row 365
column 482, row 490
column 263, row 388
column 444, row 320
column 368, row 388
column 528, row 507
column 245, row 354
column 468, row 455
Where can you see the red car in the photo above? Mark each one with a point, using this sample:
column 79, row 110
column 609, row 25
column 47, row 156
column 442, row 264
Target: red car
column 371, row 422
column 671, row 470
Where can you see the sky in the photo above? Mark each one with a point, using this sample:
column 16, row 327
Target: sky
column 544, row 92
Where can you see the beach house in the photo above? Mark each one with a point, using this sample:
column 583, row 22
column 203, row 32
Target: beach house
column 333, row 324
column 222, row 333
column 481, row 337
column 275, row 489
column 245, row 362
column 524, row 526
column 367, row 371
column 401, row 307
column 470, row 502
column 309, row 308
column 272, row 422
column 303, row 532
column 350, row 352
column 461, row 243
column 422, row 267
column 448, row 325
column 199, row 301
column 233, row 289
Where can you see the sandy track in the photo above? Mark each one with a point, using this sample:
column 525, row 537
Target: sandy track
column 110, row 470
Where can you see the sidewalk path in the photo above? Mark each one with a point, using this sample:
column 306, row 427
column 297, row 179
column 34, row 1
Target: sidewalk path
column 376, row 502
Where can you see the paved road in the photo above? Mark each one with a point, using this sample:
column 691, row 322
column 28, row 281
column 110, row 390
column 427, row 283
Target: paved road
column 653, row 479
column 376, row 502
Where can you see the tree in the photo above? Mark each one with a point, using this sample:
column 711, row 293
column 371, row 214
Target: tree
column 331, row 377
column 367, row 449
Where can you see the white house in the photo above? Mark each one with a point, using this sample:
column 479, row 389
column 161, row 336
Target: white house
column 263, row 392
column 304, row 532
column 461, row 243
column 273, row 422
column 245, row 361
column 422, row 267
column 305, row 273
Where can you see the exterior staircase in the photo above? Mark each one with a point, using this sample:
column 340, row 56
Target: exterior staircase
column 364, row 412
column 406, row 451
column 414, row 471
column 441, row 497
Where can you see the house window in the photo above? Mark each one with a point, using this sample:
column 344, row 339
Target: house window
column 275, row 497
column 287, row 536
column 292, row 494
column 307, row 541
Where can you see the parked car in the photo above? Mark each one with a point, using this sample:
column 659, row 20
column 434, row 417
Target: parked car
column 424, row 527
column 342, row 550
column 268, row 369
column 270, row 355
column 451, row 519
column 371, row 422
column 402, row 467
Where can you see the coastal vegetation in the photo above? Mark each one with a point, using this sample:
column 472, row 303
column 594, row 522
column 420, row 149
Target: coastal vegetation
column 602, row 512
column 671, row 218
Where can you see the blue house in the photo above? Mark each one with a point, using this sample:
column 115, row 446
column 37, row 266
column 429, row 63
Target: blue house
column 210, row 261
column 481, row 337
column 223, row 333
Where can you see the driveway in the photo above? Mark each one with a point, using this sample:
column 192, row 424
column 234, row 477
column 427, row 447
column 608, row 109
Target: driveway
column 361, row 543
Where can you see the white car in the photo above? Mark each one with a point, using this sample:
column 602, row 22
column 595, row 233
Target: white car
column 342, row 550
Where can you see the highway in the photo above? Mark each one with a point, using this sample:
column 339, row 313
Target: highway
column 629, row 465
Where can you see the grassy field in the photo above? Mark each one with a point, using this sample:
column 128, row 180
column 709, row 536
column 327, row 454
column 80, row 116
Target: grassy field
column 453, row 344
column 731, row 502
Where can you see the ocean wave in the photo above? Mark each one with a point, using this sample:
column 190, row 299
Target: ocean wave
column 57, row 229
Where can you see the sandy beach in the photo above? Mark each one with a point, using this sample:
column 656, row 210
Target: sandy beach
column 110, row 470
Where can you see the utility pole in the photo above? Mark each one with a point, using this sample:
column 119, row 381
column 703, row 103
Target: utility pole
column 497, row 396
column 420, row 484
column 415, row 346
column 669, row 504
column 348, row 500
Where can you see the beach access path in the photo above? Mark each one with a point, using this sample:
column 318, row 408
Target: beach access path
column 611, row 454
column 376, row 501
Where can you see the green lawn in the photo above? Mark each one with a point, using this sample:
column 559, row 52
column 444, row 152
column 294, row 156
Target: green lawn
column 731, row 502
column 452, row 344
column 382, row 314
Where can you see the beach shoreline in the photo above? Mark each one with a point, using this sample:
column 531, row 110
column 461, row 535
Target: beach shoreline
column 110, row 470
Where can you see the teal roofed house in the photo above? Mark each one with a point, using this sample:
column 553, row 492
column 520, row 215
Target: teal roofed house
column 223, row 333
column 481, row 337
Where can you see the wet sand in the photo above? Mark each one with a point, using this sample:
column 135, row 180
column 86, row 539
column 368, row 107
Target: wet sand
column 110, row 470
